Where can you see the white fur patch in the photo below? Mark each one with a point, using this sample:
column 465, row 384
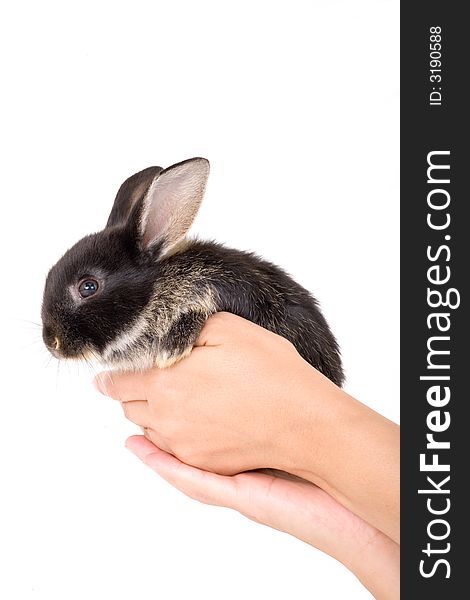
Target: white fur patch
column 125, row 340
column 128, row 352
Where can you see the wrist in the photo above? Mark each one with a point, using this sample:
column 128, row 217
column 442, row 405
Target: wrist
column 336, row 442
column 306, row 417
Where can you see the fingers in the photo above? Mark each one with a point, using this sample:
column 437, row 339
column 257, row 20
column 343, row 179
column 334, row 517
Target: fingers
column 140, row 446
column 197, row 484
column 138, row 412
column 125, row 386
column 154, row 438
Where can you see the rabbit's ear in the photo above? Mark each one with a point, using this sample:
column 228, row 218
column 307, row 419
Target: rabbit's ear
column 131, row 192
column 172, row 202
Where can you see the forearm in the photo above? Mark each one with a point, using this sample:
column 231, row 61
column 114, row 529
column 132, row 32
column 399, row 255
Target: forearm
column 344, row 447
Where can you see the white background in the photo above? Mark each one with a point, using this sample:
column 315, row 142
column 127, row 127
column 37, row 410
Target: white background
column 296, row 106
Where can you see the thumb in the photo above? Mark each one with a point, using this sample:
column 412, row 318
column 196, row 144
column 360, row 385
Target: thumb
column 222, row 327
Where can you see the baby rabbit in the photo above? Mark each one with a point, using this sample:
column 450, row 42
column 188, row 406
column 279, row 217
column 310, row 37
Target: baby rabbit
column 137, row 294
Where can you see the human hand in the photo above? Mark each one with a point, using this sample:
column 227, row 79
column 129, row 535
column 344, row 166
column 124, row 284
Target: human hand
column 224, row 409
column 293, row 506
column 244, row 399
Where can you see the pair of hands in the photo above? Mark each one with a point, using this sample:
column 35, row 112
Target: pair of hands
column 244, row 399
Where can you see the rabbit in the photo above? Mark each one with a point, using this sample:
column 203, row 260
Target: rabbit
column 137, row 294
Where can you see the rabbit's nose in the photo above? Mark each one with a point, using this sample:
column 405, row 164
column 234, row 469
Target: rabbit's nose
column 50, row 337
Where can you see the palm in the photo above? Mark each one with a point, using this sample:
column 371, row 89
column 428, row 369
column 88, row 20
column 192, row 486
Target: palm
column 279, row 501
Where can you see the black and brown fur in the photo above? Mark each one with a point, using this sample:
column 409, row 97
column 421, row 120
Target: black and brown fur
column 157, row 288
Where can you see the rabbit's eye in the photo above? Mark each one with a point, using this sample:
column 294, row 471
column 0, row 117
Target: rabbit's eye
column 88, row 287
